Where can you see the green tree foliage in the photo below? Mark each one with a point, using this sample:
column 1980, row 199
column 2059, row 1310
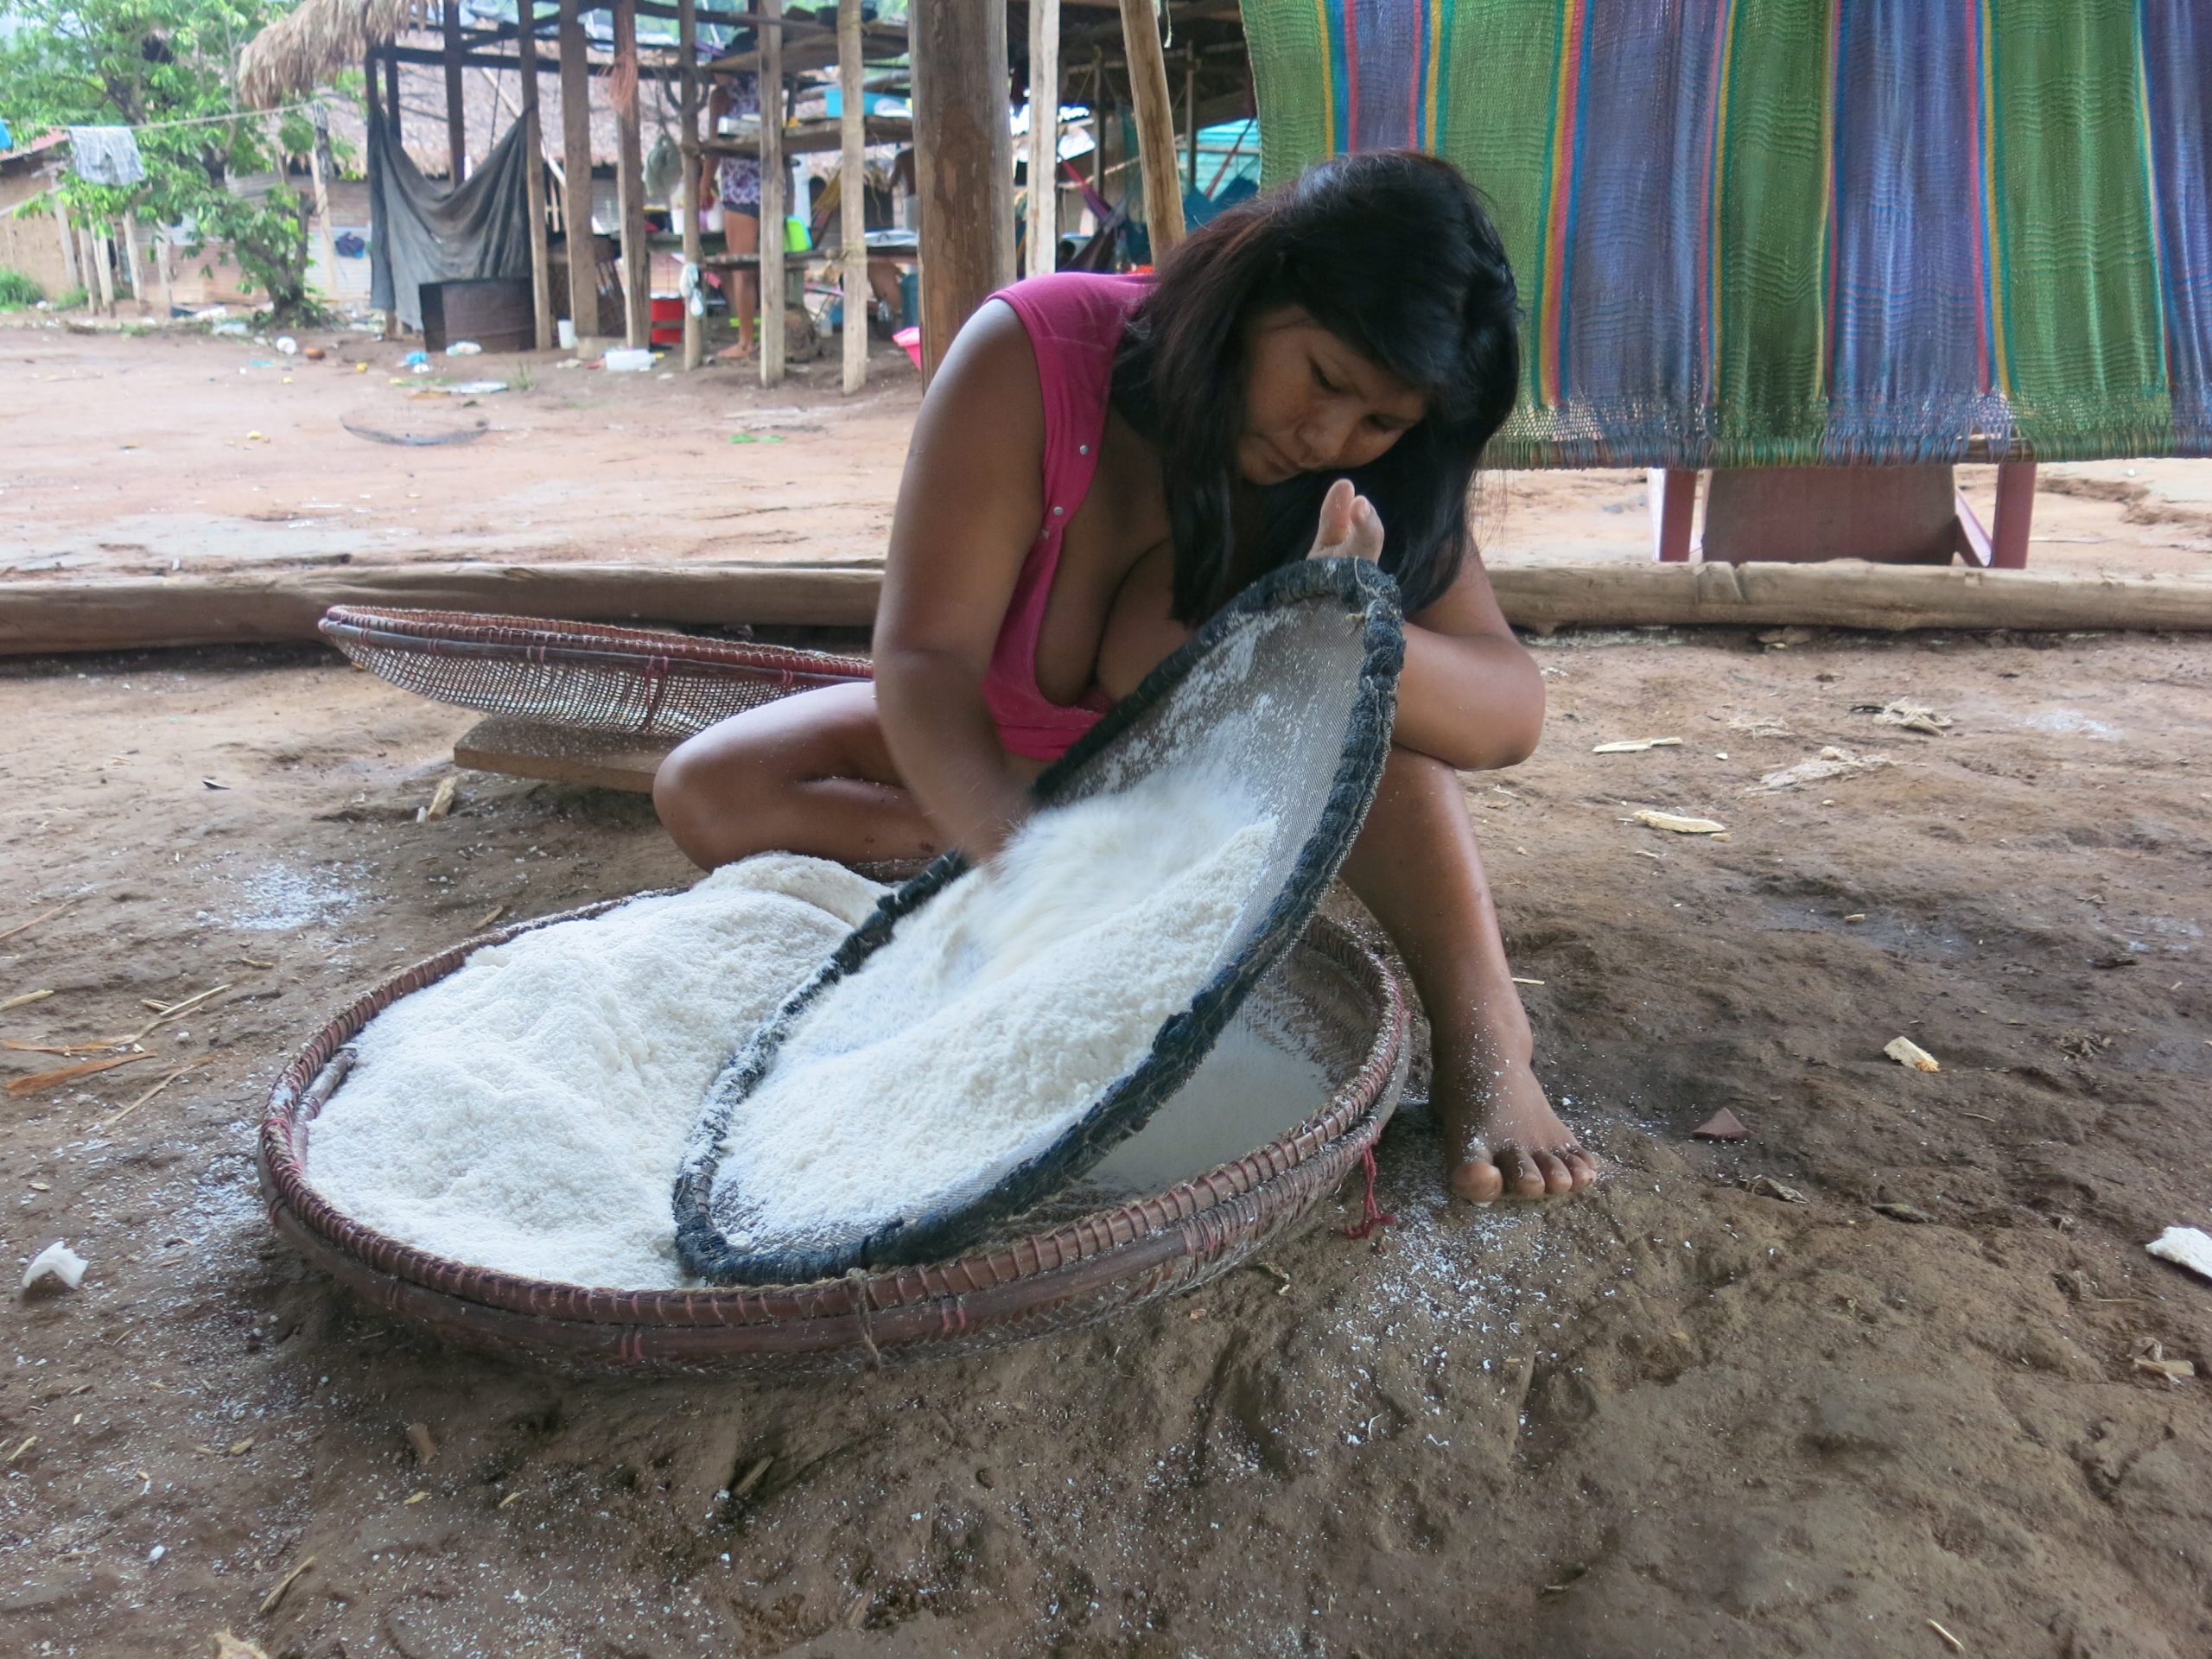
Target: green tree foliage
column 132, row 62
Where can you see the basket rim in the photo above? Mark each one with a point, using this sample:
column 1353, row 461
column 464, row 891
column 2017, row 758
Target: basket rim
column 1035, row 1259
column 457, row 633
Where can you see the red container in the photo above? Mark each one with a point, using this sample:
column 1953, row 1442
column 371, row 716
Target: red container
column 668, row 319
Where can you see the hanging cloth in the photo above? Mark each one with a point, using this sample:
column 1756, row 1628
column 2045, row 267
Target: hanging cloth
column 106, row 156
column 420, row 230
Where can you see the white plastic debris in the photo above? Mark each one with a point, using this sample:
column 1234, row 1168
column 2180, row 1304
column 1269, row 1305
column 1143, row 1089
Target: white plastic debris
column 56, row 1260
column 463, row 348
column 287, row 345
column 2186, row 1247
column 627, row 359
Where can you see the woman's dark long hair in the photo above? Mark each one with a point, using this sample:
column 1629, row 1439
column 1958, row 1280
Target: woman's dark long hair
column 1391, row 252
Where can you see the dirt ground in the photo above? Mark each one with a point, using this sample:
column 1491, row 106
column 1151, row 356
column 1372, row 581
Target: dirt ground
column 1682, row 1415
column 178, row 452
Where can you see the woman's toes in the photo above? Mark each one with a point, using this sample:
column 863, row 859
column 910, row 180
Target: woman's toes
column 1558, row 1177
column 1524, row 1178
column 1581, row 1166
column 1477, row 1179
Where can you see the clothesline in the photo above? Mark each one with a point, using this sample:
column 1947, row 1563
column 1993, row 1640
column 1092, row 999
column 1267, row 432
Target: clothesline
column 205, row 120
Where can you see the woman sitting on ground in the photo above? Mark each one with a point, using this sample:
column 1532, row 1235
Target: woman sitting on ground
column 1099, row 464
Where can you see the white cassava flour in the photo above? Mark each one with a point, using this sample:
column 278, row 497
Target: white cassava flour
column 997, row 1014
column 528, row 1112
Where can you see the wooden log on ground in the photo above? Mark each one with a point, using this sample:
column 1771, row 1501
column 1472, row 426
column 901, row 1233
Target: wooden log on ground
column 47, row 616
column 525, row 748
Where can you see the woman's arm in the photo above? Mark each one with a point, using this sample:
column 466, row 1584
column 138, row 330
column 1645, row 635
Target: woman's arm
column 969, row 503
column 1469, row 695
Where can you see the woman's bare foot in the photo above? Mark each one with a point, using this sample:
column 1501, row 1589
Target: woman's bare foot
column 1501, row 1137
column 740, row 352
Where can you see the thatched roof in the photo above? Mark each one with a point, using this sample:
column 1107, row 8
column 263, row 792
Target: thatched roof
column 309, row 46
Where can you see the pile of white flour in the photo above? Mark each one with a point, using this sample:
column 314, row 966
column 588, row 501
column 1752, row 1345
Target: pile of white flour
column 529, row 1111
column 997, row 1014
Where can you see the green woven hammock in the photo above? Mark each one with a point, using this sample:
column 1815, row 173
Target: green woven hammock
column 1804, row 232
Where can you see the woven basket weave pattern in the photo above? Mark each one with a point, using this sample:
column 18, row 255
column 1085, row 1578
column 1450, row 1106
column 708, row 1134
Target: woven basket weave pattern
column 1024, row 1287
column 576, row 674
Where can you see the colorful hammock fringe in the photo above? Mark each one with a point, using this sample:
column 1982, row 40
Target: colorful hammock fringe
column 1805, row 232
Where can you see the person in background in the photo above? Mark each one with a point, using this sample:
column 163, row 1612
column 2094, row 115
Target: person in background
column 732, row 184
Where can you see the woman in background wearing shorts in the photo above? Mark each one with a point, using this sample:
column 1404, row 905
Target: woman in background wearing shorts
column 732, row 184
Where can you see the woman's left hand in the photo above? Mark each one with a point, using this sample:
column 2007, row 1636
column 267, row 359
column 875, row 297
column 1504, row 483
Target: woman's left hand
column 1350, row 527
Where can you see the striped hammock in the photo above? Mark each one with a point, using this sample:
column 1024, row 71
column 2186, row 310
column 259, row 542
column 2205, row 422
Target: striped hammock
column 1805, row 232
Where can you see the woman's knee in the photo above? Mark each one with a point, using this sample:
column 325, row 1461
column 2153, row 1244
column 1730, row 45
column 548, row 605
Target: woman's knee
column 694, row 791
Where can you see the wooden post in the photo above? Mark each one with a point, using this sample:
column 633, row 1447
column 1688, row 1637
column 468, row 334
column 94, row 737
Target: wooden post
column 852, row 194
column 390, row 94
column 630, row 192
column 68, row 235
column 456, row 114
column 1163, row 191
column 96, row 242
column 687, row 193
column 533, row 143
column 165, row 260
column 1101, row 102
column 775, row 179
column 1044, row 136
column 963, row 156
column 1191, row 116
column 321, row 177
column 584, row 248
column 131, row 257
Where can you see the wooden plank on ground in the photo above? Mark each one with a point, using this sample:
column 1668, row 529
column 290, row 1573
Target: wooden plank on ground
column 525, row 749
column 46, row 615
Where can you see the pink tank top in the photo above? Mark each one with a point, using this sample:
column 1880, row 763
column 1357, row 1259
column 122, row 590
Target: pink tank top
column 1075, row 320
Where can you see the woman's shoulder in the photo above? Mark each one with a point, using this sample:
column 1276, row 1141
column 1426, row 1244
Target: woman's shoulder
column 1075, row 305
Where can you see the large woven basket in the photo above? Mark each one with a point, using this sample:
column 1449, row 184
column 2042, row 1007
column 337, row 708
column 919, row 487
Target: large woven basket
column 1010, row 1287
column 578, row 674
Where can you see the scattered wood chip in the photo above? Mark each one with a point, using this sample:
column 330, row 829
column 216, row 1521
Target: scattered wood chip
column 269, row 1602
column 1767, row 1187
column 1911, row 716
column 174, row 1011
column 1905, row 1052
column 1281, row 1278
column 1680, row 825
column 198, row 1059
column 1830, row 763
column 1903, row 1212
column 43, row 916
column 2151, row 1356
column 2120, row 960
column 425, row 1448
column 511, row 1498
column 239, row 1448
column 230, row 1647
column 1519, row 980
column 41, row 1080
column 256, row 961
column 2185, row 1246
column 1637, row 745
column 29, row 1441
column 1950, row 1641
column 414, row 1498
column 440, row 801
column 487, row 917
column 1856, row 916
column 750, row 1477
column 1723, row 1125
column 56, row 1262
column 25, row 1000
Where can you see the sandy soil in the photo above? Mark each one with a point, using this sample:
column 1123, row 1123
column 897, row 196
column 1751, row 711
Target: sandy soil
column 124, row 454
column 1679, row 1416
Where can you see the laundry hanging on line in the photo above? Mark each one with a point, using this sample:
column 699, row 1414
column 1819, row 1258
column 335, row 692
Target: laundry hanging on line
column 106, row 156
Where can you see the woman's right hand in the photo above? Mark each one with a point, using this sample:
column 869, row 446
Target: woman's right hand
column 1350, row 526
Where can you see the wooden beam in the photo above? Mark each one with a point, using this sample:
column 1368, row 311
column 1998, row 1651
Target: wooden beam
column 391, row 85
column 852, row 195
column 1044, row 136
column 964, row 154
column 45, row 617
column 585, row 248
column 456, row 112
column 38, row 618
column 775, row 180
column 533, row 143
column 687, row 194
column 801, row 137
column 630, row 192
column 1163, row 190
